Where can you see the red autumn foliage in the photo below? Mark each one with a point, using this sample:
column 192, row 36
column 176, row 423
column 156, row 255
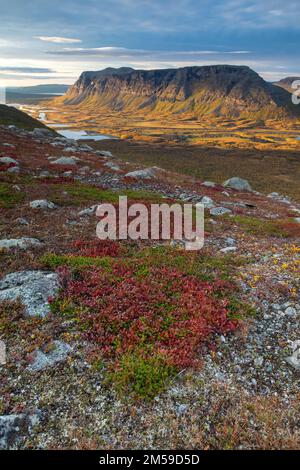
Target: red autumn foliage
column 97, row 248
column 157, row 310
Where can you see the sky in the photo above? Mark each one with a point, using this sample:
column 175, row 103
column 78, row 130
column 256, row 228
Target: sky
column 53, row 41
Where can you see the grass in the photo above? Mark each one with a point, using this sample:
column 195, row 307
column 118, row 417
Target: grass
column 53, row 261
column 262, row 227
column 78, row 194
column 9, row 197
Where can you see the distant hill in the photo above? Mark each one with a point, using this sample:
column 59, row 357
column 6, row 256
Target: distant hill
column 286, row 83
column 12, row 116
column 40, row 89
column 217, row 90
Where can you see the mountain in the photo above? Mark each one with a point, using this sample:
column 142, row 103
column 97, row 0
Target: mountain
column 40, row 89
column 217, row 90
column 286, row 83
column 12, row 116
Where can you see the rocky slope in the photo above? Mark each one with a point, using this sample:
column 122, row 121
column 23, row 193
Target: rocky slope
column 219, row 90
column 12, row 116
column 113, row 345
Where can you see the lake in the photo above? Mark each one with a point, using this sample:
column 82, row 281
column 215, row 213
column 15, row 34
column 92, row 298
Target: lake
column 77, row 135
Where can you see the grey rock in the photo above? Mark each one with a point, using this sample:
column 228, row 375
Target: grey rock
column 148, row 173
column 22, row 243
column 237, row 183
column 22, row 221
column 228, row 249
column 220, row 211
column 42, row 133
column 13, row 169
column 65, row 161
column 209, row 184
column 57, row 354
column 104, row 153
column 297, row 219
column 112, row 166
column 44, row 174
column 89, row 211
column 33, row 288
column 207, row 202
column 42, row 204
column 14, row 427
column 8, row 160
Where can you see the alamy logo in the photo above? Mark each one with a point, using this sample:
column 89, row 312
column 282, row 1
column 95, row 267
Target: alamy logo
column 2, row 353
column 184, row 222
column 296, row 93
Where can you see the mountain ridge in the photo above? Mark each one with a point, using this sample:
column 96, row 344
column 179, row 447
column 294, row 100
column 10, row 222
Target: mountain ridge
column 215, row 90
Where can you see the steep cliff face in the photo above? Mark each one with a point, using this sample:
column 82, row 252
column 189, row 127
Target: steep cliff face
column 220, row 90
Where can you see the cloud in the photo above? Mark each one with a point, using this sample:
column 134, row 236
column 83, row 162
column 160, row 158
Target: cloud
column 26, row 69
column 123, row 52
column 57, row 39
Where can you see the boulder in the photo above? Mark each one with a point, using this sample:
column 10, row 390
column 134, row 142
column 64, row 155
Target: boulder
column 42, row 204
column 65, row 161
column 89, row 211
column 58, row 353
column 14, row 427
column 42, row 133
column 237, row 183
column 207, row 202
column 209, row 184
column 148, row 173
column 104, row 153
column 22, row 243
column 112, row 166
column 220, row 211
column 33, row 288
column 8, row 160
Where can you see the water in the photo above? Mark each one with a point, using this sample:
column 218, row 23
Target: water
column 77, row 135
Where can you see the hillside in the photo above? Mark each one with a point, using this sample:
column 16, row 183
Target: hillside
column 140, row 343
column 286, row 83
column 12, row 116
column 213, row 91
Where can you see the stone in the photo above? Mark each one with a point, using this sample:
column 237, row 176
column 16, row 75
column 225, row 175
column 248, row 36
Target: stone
column 217, row 211
column 58, row 353
column 291, row 312
column 148, row 173
column 112, row 166
column 14, row 427
column 237, row 183
column 13, row 169
column 44, row 174
column 228, row 249
column 65, row 161
column 32, row 287
column 42, row 204
column 207, row 202
column 104, row 153
column 8, row 160
column 22, row 221
column 22, row 243
column 42, row 133
column 89, row 211
column 209, row 184
column 297, row 219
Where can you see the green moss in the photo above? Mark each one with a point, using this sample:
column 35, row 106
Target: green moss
column 53, row 261
column 140, row 376
column 261, row 227
column 9, row 197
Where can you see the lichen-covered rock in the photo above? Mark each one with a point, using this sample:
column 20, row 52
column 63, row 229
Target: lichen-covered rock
column 8, row 160
column 220, row 211
column 237, row 183
column 42, row 204
column 23, row 243
column 14, row 427
column 33, row 288
column 65, row 161
column 148, row 173
column 207, row 202
column 58, row 353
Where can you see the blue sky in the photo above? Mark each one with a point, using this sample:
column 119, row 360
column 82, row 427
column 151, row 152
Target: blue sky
column 43, row 41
